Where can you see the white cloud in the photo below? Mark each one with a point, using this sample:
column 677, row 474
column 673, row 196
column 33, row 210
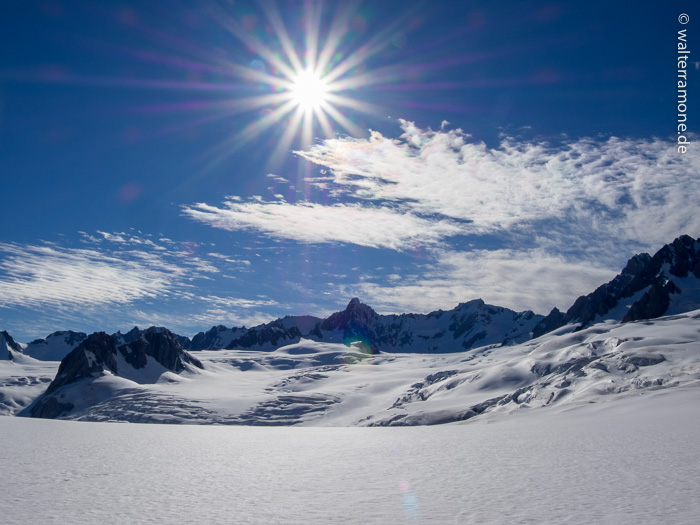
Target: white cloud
column 64, row 278
column 92, row 285
column 373, row 226
column 601, row 189
column 587, row 194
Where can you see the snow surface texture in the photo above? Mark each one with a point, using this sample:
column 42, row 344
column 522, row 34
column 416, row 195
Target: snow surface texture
column 630, row 462
column 330, row 384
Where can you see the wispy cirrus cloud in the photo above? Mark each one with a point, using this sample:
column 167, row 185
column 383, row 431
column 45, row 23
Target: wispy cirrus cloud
column 50, row 275
column 361, row 224
column 597, row 189
column 115, row 280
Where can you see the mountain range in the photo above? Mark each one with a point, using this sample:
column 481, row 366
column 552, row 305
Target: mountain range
column 110, row 376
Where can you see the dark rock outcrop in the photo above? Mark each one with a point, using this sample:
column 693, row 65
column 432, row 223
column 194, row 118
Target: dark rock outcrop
column 554, row 320
column 679, row 259
column 358, row 322
column 268, row 336
column 89, row 359
column 163, row 346
column 654, row 302
column 97, row 354
column 8, row 345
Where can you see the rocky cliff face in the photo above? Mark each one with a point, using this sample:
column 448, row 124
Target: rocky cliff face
column 646, row 289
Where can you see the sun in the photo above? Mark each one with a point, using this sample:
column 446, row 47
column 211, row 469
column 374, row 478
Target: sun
column 303, row 85
column 309, row 90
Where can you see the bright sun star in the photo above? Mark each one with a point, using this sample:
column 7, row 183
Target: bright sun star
column 309, row 90
column 305, row 82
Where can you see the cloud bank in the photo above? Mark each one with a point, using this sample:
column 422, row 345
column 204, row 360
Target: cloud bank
column 53, row 276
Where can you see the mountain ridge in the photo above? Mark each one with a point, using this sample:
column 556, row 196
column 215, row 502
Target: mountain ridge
column 652, row 285
column 647, row 287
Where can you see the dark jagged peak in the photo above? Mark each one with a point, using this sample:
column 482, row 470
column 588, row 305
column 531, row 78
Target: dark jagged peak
column 128, row 337
column 355, row 315
column 474, row 303
column 552, row 321
column 8, row 345
column 94, row 355
column 100, row 353
column 358, row 323
column 161, row 344
column 650, row 283
column 637, row 264
column 682, row 256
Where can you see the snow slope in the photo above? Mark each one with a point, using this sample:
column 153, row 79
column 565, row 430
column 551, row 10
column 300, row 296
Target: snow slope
column 330, row 384
column 55, row 346
column 22, row 380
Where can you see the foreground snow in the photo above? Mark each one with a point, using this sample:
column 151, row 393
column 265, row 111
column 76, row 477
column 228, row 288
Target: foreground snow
column 595, row 426
column 633, row 461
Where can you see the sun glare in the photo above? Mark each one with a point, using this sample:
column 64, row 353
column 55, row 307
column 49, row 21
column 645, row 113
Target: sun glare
column 305, row 83
column 309, row 90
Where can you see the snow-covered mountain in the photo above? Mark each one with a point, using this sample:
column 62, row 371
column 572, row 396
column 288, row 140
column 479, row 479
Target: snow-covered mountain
column 648, row 287
column 468, row 325
column 99, row 361
column 55, row 346
column 320, row 383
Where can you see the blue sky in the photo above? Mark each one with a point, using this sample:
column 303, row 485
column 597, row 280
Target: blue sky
column 157, row 166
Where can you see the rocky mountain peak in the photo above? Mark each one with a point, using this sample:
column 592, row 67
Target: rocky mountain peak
column 653, row 277
column 682, row 256
column 8, row 345
column 161, row 344
column 95, row 354
column 637, row 264
column 100, row 353
column 356, row 315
